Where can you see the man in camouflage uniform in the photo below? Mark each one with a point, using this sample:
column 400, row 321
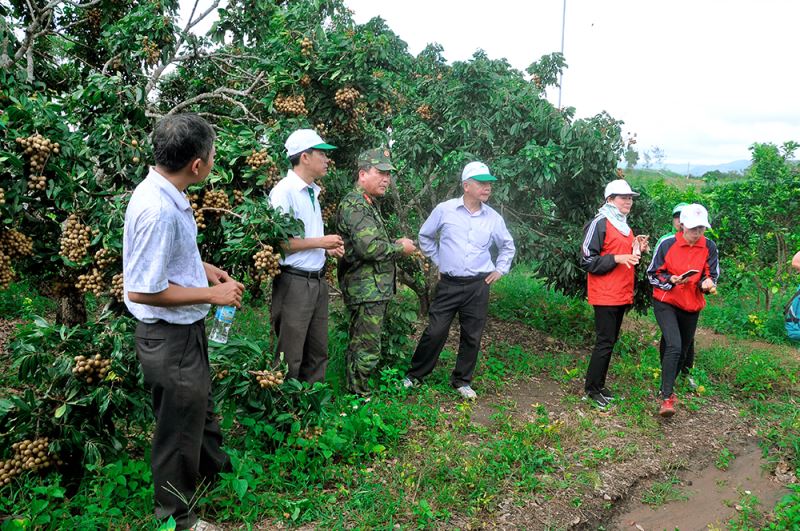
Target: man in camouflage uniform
column 367, row 270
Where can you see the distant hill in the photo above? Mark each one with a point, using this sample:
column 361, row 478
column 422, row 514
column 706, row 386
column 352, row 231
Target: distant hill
column 697, row 170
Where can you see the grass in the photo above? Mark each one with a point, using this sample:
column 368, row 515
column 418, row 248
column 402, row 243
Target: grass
column 424, row 461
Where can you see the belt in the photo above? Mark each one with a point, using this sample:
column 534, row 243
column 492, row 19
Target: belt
column 303, row 273
column 464, row 280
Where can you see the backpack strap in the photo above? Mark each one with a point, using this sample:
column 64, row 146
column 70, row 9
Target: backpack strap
column 788, row 313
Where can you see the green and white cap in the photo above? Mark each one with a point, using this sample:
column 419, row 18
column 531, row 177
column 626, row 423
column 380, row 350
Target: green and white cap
column 677, row 210
column 477, row 171
column 304, row 139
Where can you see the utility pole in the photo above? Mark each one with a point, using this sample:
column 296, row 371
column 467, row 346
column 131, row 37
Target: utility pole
column 561, row 75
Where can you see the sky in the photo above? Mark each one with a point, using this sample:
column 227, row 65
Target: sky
column 701, row 79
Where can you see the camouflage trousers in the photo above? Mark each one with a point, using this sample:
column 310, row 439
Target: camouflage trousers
column 364, row 351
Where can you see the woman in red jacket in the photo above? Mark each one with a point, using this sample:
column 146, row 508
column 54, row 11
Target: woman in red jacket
column 608, row 255
column 684, row 267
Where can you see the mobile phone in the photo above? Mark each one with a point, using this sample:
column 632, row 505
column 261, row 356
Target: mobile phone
column 689, row 273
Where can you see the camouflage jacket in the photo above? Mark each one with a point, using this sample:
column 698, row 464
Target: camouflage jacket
column 367, row 270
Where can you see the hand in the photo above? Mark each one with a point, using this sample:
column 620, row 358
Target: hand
column 707, row 285
column 227, row 294
column 215, row 275
column 677, row 280
column 338, row 252
column 408, row 246
column 627, row 259
column 331, row 241
column 644, row 245
column 493, row 277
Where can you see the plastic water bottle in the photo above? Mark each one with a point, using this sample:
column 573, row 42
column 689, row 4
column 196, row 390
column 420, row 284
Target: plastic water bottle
column 223, row 319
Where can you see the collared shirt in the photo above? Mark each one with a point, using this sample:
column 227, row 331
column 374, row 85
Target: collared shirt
column 291, row 195
column 159, row 247
column 465, row 239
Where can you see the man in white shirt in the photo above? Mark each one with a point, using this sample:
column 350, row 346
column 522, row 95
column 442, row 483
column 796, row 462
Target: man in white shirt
column 299, row 312
column 167, row 290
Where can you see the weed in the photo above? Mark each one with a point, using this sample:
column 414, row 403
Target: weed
column 662, row 492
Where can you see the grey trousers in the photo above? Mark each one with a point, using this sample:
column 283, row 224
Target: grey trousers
column 186, row 450
column 299, row 316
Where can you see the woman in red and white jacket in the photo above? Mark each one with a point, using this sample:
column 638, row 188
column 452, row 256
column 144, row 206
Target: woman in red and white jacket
column 678, row 297
column 609, row 256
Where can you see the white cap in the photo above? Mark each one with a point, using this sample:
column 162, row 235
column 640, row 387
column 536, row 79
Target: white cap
column 304, row 139
column 619, row 187
column 694, row 215
column 477, row 171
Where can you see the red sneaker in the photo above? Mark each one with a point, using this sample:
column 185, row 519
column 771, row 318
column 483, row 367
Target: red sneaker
column 668, row 406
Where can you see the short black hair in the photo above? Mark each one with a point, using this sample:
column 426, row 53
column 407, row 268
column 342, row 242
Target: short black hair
column 295, row 159
column 178, row 139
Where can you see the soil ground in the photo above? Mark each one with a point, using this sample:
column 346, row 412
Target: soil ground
column 684, row 447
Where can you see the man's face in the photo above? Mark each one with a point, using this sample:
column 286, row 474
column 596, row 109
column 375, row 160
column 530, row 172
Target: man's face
column 477, row 190
column 317, row 162
column 374, row 181
column 676, row 222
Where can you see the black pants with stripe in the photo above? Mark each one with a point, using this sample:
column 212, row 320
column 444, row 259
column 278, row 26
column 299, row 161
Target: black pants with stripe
column 607, row 322
column 678, row 328
column 186, row 452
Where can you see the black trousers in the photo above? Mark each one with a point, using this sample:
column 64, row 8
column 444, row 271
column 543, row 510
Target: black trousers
column 678, row 328
column 186, row 450
column 469, row 298
column 607, row 322
column 299, row 315
column 686, row 362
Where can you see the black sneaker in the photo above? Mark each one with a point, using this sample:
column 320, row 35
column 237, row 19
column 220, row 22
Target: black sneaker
column 598, row 400
column 607, row 394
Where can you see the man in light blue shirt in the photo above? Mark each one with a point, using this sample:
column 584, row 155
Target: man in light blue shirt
column 299, row 310
column 167, row 290
column 458, row 237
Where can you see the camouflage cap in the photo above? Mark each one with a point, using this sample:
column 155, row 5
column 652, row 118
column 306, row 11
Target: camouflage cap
column 379, row 158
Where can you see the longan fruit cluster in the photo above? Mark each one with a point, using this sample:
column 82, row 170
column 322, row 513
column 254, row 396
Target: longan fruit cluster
column 28, row 455
column 330, row 271
column 328, row 213
column 273, row 176
column 104, row 258
column 256, row 159
column 266, row 262
column 38, row 149
column 14, row 244
column 322, row 129
column 118, row 287
column 384, row 107
column 199, row 218
column 305, row 81
column 91, row 281
column 2, row 197
column 221, row 374
column 94, row 17
column 6, row 273
column 238, row 197
column 75, row 239
column 346, row 97
column 425, row 111
column 92, row 369
column 424, row 264
column 151, row 51
column 291, row 105
column 306, row 46
column 216, row 199
column 268, row 379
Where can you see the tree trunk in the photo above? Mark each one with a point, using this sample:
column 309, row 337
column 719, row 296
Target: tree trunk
column 71, row 309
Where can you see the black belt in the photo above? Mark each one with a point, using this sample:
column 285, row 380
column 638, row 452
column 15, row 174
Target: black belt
column 464, row 280
column 303, row 273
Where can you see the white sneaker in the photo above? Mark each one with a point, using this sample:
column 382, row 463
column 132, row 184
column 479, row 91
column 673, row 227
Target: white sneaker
column 408, row 383
column 466, row 392
column 202, row 525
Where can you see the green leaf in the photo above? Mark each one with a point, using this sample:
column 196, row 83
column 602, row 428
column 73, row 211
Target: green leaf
column 61, row 410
